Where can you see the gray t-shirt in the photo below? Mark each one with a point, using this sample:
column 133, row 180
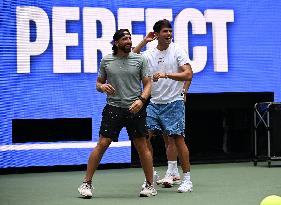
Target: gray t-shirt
column 125, row 75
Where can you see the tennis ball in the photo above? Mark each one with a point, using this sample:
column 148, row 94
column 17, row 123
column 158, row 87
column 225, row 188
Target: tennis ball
column 271, row 200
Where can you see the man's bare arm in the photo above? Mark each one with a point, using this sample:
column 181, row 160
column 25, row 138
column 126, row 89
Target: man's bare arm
column 146, row 81
column 102, row 86
column 138, row 104
column 186, row 85
column 148, row 38
column 186, row 74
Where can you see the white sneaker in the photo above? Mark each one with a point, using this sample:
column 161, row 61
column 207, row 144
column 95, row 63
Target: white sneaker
column 168, row 182
column 160, row 181
column 155, row 176
column 186, row 186
column 85, row 190
column 148, row 191
column 176, row 179
column 155, row 179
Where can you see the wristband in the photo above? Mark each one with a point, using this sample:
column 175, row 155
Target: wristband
column 142, row 99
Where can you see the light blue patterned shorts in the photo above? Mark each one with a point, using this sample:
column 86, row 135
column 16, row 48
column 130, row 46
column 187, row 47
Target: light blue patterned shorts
column 169, row 118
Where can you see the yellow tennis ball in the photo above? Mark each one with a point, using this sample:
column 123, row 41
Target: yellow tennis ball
column 271, row 200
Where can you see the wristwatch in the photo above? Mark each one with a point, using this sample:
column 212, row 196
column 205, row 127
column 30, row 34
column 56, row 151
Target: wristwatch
column 183, row 92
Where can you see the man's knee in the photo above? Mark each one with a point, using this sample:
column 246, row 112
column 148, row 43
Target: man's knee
column 104, row 142
column 140, row 143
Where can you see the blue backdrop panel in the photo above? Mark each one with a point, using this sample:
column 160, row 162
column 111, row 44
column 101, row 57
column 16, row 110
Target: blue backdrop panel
column 253, row 53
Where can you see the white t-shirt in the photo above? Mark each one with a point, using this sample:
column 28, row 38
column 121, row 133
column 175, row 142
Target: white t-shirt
column 168, row 61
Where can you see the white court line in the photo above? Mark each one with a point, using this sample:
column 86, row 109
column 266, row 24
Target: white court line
column 60, row 145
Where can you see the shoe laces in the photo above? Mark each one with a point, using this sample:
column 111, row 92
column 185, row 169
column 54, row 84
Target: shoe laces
column 186, row 183
column 150, row 187
column 87, row 185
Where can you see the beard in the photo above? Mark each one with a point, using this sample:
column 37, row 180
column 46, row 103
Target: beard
column 126, row 48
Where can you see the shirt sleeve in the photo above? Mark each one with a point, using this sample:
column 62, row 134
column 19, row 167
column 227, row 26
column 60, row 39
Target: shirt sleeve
column 181, row 57
column 144, row 54
column 102, row 72
column 144, row 68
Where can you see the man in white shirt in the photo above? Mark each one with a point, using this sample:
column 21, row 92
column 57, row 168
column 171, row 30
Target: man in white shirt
column 168, row 64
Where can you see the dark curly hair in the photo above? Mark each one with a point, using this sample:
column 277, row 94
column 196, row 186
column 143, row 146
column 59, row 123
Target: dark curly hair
column 118, row 34
column 161, row 24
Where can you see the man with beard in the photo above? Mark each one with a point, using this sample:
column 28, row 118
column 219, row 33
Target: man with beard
column 120, row 77
column 169, row 66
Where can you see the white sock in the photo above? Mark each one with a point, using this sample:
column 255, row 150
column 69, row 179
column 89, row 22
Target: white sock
column 186, row 176
column 154, row 171
column 176, row 171
column 171, row 166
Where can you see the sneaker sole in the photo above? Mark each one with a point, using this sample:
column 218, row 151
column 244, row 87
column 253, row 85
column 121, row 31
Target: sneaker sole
column 177, row 181
column 149, row 195
column 84, row 196
column 159, row 182
column 167, row 185
column 190, row 190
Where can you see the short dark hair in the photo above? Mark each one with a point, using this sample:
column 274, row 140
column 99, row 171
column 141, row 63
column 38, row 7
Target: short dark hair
column 119, row 34
column 161, row 24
